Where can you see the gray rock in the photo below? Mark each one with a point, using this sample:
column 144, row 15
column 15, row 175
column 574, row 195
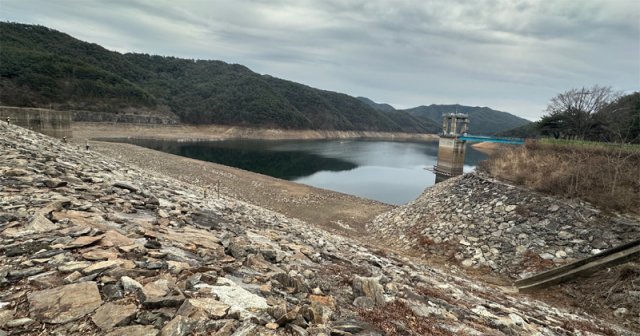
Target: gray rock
column 364, row 302
column 369, row 287
column 19, row 322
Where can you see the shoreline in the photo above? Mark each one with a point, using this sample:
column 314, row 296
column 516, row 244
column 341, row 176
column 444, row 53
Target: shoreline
column 87, row 130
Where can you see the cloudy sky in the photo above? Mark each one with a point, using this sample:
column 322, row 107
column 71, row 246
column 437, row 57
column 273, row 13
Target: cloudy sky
column 506, row 54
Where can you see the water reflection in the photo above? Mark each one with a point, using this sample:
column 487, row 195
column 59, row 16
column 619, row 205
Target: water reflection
column 391, row 172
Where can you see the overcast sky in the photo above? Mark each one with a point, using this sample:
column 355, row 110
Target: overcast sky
column 506, row 54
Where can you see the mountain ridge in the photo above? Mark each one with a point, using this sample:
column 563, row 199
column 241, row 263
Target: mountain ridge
column 42, row 67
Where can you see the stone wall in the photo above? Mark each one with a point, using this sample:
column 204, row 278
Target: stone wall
column 50, row 122
column 482, row 222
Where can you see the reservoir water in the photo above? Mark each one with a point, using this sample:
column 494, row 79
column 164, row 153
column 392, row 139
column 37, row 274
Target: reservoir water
column 390, row 172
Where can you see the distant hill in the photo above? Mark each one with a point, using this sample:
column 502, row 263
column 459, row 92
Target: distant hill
column 377, row 106
column 404, row 119
column 482, row 120
column 43, row 67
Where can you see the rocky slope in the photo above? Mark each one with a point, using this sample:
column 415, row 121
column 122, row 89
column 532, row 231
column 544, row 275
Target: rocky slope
column 90, row 246
column 480, row 221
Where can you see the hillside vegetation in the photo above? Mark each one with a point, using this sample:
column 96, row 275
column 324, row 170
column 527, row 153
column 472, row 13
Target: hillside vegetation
column 482, row 120
column 43, row 67
column 595, row 114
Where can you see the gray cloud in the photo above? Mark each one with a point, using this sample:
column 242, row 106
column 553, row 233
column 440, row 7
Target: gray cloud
column 509, row 55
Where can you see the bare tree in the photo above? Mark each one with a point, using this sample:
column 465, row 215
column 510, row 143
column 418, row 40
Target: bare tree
column 575, row 110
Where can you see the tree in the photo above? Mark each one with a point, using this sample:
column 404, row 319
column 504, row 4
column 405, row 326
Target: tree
column 571, row 114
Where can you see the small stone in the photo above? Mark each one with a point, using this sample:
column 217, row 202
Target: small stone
column 510, row 208
column 55, row 183
column 213, row 308
column 130, row 286
column 134, row 330
column 271, row 326
column 19, row 322
column 561, row 254
column 620, row 312
column 179, row 326
column 112, row 315
column 83, row 241
column 73, row 266
column 101, row 266
column 553, row 208
column 112, row 292
column 25, row 272
column 161, row 302
column 364, row 302
column 153, row 244
column 369, row 287
column 73, row 277
column 547, row 256
column 467, row 263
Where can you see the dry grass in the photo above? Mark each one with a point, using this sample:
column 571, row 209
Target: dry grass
column 396, row 318
column 609, row 178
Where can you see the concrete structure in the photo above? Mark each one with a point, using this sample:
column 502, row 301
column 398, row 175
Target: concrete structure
column 50, row 122
column 451, row 148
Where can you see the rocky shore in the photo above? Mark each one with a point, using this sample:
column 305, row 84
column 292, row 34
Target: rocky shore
column 482, row 222
column 93, row 246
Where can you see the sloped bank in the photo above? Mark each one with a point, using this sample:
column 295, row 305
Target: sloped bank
column 480, row 221
column 90, row 246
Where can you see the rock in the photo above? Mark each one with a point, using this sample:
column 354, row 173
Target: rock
column 134, row 330
column 112, row 315
column 37, row 224
column 130, row 286
column 152, row 244
column 158, row 288
column 101, row 266
column 246, row 329
column 271, row 326
column 162, row 302
column 179, row 326
column 547, row 256
column 369, row 287
column 65, row 303
column 113, row 292
column 561, row 254
column 19, row 322
column 73, row 266
column 620, row 312
column 238, row 298
column 5, row 316
column 126, row 185
column 25, row 272
column 364, row 302
column 213, row 308
column 55, row 183
column 83, row 241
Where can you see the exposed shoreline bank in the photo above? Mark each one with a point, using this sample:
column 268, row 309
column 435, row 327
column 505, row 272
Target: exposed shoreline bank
column 84, row 130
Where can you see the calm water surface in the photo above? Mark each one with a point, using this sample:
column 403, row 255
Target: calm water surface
column 390, row 172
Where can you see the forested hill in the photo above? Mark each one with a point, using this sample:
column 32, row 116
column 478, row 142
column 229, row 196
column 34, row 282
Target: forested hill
column 43, row 67
column 482, row 120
